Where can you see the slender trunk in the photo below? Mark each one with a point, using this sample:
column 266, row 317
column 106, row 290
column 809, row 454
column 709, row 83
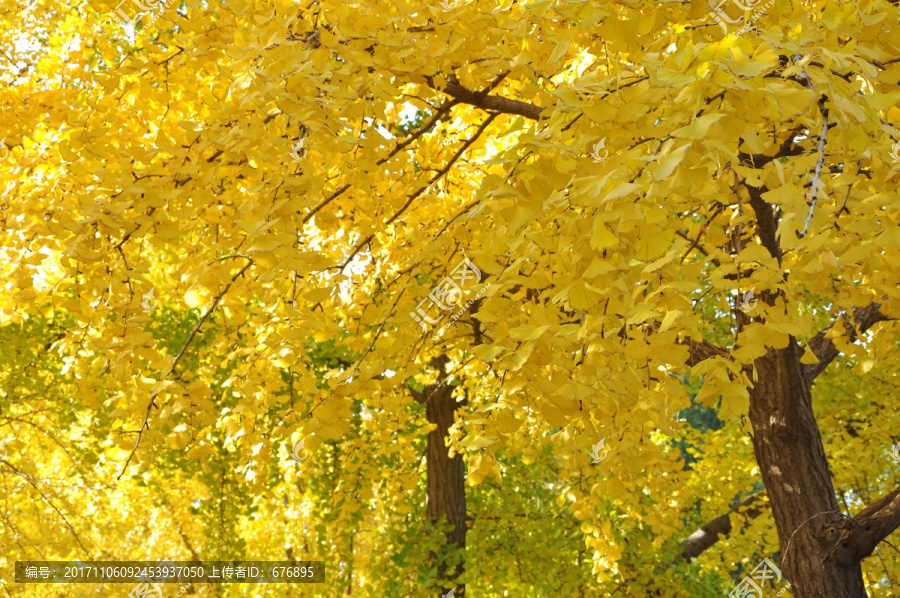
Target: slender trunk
column 446, row 478
column 794, row 468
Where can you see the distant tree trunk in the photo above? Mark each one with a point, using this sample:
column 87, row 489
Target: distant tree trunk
column 446, row 485
column 445, row 477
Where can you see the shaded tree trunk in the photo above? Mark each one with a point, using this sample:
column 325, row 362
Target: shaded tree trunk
column 794, row 468
column 821, row 549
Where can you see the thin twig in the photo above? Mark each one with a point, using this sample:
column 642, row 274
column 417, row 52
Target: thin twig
column 144, row 424
column 441, row 111
column 440, row 174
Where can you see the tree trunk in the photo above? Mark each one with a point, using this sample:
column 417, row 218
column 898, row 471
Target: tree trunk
column 794, row 468
column 446, row 477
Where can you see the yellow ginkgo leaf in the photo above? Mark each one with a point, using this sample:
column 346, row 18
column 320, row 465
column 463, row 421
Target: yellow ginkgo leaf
column 652, row 243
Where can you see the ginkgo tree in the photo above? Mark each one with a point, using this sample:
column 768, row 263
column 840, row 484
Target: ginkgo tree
column 657, row 208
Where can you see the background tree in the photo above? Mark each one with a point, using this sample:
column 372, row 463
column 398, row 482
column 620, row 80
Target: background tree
column 284, row 174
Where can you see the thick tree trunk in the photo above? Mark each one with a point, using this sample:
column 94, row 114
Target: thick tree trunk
column 795, row 471
column 446, row 477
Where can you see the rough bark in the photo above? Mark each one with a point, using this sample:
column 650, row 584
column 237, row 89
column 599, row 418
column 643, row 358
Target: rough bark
column 702, row 350
column 821, row 549
column 868, row 528
column 794, row 468
column 860, row 535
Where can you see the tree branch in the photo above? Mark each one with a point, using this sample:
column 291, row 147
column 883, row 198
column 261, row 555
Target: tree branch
column 709, row 534
column 484, row 101
column 868, row 528
column 187, row 542
column 701, row 351
column 422, row 190
column 439, row 363
column 442, row 110
column 825, row 350
column 766, row 225
column 787, row 149
column 145, row 425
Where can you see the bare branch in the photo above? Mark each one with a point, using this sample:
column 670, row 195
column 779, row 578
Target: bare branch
column 709, row 534
column 825, row 350
column 440, row 174
column 484, row 101
column 701, row 351
column 439, row 113
column 145, row 425
column 868, row 529
column 445, row 169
